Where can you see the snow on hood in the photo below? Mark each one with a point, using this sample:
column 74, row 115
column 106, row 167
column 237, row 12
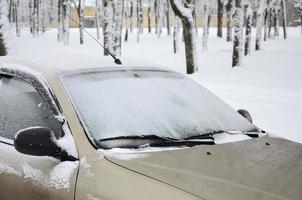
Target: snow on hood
column 252, row 169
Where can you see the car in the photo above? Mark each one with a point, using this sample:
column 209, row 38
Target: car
column 76, row 127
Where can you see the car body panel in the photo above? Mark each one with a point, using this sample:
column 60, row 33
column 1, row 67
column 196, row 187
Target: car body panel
column 99, row 178
column 263, row 168
column 33, row 177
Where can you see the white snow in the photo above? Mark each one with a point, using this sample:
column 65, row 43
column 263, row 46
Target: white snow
column 268, row 85
column 7, row 169
column 67, row 142
column 50, row 173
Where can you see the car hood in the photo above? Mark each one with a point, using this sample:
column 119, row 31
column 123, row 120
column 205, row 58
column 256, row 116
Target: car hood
column 263, row 168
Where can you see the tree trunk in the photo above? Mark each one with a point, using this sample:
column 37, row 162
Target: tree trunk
column 247, row 44
column 30, row 7
column 284, row 21
column 160, row 12
column 270, row 23
column 126, row 21
column 81, row 19
column 259, row 26
column 219, row 18
column 176, row 34
column 131, row 15
column 229, row 9
column 238, row 34
column 16, row 6
column 168, row 17
column 189, row 33
column 107, row 25
column 60, row 27
column 97, row 18
column 149, row 16
column 65, row 21
column 205, row 25
column 117, row 27
column 266, row 19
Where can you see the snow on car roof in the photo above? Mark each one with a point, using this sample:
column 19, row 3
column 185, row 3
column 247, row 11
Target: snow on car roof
column 58, row 64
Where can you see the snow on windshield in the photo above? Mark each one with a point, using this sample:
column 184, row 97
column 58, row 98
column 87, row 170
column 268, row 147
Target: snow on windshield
column 126, row 103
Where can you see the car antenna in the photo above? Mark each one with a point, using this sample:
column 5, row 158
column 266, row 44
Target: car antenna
column 116, row 60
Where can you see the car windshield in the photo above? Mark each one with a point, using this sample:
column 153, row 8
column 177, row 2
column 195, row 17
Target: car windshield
column 123, row 103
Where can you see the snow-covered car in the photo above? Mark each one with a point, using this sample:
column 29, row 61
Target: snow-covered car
column 82, row 128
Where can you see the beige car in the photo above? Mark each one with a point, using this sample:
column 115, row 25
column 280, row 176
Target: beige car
column 83, row 128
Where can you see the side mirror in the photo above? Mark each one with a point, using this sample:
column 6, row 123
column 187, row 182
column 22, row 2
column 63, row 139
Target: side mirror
column 40, row 141
column 245, row 114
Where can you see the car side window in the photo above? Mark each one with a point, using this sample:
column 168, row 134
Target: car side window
column 22, row 107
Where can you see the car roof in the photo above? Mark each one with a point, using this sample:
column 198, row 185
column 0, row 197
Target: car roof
column 57, row 64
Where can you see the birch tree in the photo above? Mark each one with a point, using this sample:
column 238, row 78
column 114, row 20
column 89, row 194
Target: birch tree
column 238, row 34
column 117, row 27
column 107, row 25
column 184, row 12
column 60, row 20
column 205, row 24
column 79, row 5
column 97, row 18
column 248, row 29
column 65, row 21
column 284, row 21
column 176, row 30
column 259, row 25
column 229, row 10
column 219, row 18
column 5, row 28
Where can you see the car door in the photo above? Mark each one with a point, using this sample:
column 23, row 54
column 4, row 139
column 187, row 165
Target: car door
column 22, row 105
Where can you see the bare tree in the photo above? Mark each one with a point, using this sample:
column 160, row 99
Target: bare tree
column 266, row 19
column 65, row 21
column 97, row 18
column 4, row 28
column 259, row 25
column 79, row 5
column 205, row 25
column 238, row 34
column 248, row 30
column 184, row 12
column 107, row 25
column 149, row 16
column 284, row 21
column 229, row 9
column 117, row 27
column 219, row 18
column 176, row 30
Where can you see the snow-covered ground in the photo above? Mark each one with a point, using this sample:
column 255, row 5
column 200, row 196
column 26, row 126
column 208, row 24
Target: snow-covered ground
column 269, row 84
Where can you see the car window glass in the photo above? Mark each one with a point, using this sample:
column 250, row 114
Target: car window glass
column 22, row 107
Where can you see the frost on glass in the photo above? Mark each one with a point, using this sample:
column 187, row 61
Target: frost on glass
column 22, row 107
column 126, row 103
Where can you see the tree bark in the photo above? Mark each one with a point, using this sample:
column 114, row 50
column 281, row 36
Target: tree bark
column 219, row 18
column 189, row 34
column 259, row 26
column 237, row 45
column 247, row 44
column 284, row 21
column 205, row 25
column 229, row 9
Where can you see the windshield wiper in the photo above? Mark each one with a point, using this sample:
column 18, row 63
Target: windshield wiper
column 149, row 140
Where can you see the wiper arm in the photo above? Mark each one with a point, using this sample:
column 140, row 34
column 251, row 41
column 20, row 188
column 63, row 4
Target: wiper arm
column 149, row 140
column 205, row 136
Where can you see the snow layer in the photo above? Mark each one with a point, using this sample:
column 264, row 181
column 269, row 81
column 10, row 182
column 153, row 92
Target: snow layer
column 57, row 174
column 268, row 85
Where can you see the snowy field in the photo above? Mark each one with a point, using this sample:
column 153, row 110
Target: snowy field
column 268, row 85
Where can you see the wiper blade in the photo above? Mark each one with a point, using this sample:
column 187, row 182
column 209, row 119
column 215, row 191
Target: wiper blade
column 203, row 136
column 149, row 140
